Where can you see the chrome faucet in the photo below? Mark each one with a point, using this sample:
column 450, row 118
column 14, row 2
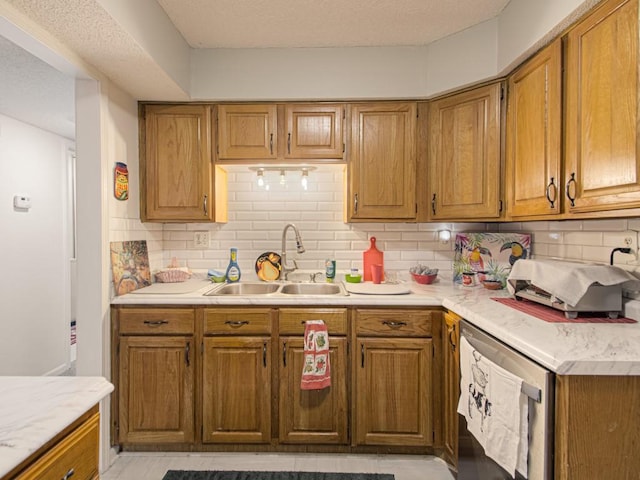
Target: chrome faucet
column 299, row 248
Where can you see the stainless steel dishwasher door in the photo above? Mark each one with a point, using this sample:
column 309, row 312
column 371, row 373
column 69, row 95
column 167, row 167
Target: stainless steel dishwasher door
column 538, row 384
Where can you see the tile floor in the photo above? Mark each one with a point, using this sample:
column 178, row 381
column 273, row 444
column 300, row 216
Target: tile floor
column 153, row 466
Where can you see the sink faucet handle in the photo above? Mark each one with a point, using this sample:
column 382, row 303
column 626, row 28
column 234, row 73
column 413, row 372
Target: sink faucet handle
column 313, row 276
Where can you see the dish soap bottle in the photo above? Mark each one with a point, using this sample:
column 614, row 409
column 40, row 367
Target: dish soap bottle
column 233, row 270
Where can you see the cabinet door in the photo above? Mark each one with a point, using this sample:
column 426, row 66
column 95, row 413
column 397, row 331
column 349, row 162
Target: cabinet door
column 393, row 391
column 451, row 334
column 314, row 131
column 247, row 132
column 176, row 164
column 464, row 155
column 534, row 135
column 236, row 389
column 602, row 163
column 312, row 416
column 382, row 168
column 156, row 390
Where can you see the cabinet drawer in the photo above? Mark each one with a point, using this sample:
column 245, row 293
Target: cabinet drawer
column 292, row 320
column 77, row 453
column 240, row 321
column 157, row 321
column 400, row 323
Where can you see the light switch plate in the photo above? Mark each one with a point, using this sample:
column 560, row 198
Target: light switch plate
column 201, row 240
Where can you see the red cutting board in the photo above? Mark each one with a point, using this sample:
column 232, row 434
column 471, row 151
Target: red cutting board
column 373, row 256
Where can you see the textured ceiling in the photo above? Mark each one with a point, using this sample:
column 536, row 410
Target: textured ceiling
column 323, row 23
column 34, row 92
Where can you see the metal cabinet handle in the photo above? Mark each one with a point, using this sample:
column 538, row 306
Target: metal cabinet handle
column 433, row 204
column 237, row 323
column 187, row 350
column 568, row 188
column 289, row 143
column 555, row 193
column 393, row 324
column 155, row 323
column 69, row 474
column 362, row 355
column 271, row 143
column 284, row 354
column 264, row 354
column 205, row 204
column 355, row 204
column 452, row 333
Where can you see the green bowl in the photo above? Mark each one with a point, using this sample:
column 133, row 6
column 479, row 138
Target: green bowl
column 353, row 278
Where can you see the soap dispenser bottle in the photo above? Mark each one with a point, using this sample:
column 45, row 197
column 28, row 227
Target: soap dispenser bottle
column 233, row 270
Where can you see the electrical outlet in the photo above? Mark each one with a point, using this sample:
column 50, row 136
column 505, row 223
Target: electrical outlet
column 201, row 239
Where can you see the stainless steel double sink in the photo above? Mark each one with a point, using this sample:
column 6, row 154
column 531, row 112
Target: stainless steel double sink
column 258, row 288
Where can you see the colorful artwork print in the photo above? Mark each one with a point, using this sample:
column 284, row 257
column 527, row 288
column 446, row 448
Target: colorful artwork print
column 130, row 266
column 489, row 255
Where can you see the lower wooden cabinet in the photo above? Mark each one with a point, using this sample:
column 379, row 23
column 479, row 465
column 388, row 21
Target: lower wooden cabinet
column 75, row 456
column 236, row 375
column 451, row 354
column 215, row 378
column 154, row 375
column 236, row 390
column 312, row 416
column 393, row 377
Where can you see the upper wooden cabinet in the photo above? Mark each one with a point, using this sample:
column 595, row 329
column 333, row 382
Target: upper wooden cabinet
column 534, row 135
column 381, row 181
column 464, row 155
column 280, row 132
column 601, row 154
column 177, row 177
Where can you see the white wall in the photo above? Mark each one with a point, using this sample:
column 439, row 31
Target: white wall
column 34, row 311
column 524, row 26
column 478, row 53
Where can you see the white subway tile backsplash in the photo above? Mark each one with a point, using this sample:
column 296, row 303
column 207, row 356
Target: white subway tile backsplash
column 257, row 217
column 583, row 238
column 605, row 225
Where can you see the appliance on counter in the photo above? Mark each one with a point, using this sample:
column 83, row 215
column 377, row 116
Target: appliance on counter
column 570, row 287
column 598, row 298
column 538, row 386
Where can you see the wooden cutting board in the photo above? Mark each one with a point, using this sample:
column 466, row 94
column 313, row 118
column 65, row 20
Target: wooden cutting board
column 188, row 286
column 373, row 256
column 368, row 288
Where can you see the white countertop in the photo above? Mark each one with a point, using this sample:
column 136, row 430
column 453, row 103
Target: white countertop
column 33, row 410
column 564, row 348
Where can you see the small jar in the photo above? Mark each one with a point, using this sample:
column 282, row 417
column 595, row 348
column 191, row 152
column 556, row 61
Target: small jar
column 469, row 279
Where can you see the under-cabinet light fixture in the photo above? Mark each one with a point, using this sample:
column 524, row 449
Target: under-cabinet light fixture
column 444, row 235
column 282, row 170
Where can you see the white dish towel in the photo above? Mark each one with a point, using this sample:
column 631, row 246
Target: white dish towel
column 495, row 408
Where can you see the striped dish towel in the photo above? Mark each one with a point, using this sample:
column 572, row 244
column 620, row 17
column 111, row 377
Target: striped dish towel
column 316, row 372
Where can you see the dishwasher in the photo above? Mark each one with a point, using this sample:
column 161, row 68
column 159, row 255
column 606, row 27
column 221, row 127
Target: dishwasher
column 538, row 386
